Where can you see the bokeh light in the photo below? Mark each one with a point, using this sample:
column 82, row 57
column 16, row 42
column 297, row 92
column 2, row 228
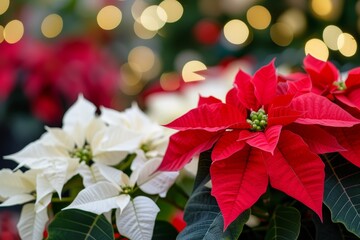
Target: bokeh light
column 330, row 36
column 190, row 69
column 317, row 49
column 13, row 31
column 4, row 5
column 109, row 17
column 258, row 17
column 143, row 32
column 236, row 31
column 326, row 9
column 169, row 81
column 52, row 25
column 1, row 34
column 347, row 44
column 174, row 10
column 153, row 18
column 281, row 34
column 142, row 58
column 295, row 19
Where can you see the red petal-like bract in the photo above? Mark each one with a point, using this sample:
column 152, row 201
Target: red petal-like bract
column 318, row 139
column 350, row 97
column 227, row 145
column 265, row 83
column 297, row 171
column 350, row 140
column 210, row 117
column 238, row 182
column 184, row 145
column 320, row 110
column 208, row 100
column 267, row 140
column 323, row 74
column 245, row 91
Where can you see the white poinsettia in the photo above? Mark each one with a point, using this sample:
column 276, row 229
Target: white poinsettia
column 20, row 188
column 115, row 191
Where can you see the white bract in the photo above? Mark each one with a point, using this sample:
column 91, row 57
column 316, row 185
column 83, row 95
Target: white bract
column 92, row 146
column 135, row 218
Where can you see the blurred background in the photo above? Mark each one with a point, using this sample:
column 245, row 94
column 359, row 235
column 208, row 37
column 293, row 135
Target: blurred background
column 161, row 54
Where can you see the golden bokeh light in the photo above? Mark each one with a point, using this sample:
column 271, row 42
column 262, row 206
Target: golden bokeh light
column 52, row 25
column 141, row 58
column 169, row 81
column 109, row 17
column 258, row 17
column 142, row 32
column 190, row 69
column 131, row 80
column 1, row 34
column 236, row 31
column 153, row 18
column 4, row 5
column 13, row 31
column 137, row 8
column 347, row 44
column 174, row 10
column 281, row 34
column 317, row 49
column 330, row 36
column 295, row 19
column 322, row 7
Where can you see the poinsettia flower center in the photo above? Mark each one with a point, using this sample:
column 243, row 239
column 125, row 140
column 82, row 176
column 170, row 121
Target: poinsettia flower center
column 127, row 190
column 340, row 85
column 258, row 120
column 84, row 153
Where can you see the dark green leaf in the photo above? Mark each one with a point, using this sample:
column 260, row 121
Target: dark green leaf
column 77, row 224
column 331, row 231
column 342, row 192
column 164, row 231
column 285, row 224
column 202, row 214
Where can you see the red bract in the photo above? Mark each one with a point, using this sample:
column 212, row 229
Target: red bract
column 265, row 130
column 345, row 91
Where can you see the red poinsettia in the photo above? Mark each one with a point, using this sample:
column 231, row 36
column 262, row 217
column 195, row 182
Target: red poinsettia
column 264, row 131
column 343, row 89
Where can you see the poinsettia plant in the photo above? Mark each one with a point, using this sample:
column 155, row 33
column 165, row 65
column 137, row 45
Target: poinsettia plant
column 95, row 177
column 272, row 155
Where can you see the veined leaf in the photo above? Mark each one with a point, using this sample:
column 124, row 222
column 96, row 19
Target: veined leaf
column 77, row 224
column 284, row 225
column 342, row 195
column 202, row 214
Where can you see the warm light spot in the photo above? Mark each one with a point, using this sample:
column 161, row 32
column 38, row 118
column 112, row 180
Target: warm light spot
column 153, row 18
column 169, row 81
column 13, row 31
column 142, row 58
column 137, row 8
column 281, row 34
column 4, row 5
column 347, row 44
column 131, row 79
column 322, row 7
column 295, row 19
column 142, row 32
column 189, row 71
column 1, row 34
column 317, row 48
column 330, row 36
column 109, row 17
column 52, row 25
column 258, row 17
column 236, row 31
column 174, row 10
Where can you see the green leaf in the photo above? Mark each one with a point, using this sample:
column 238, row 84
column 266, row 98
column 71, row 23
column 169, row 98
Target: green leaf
column 285, row 224
column 329, row 230
column 164, row 230
column 342, row 192
column 202, row 214
column 77, row 224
